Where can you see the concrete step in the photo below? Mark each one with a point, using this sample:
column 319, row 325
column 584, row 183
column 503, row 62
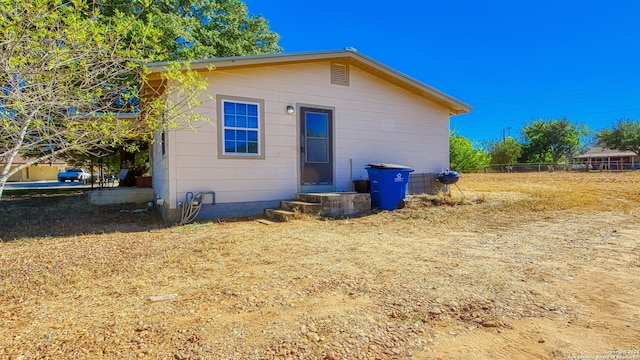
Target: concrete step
column 332, row 204
column 301, row 206
column 279, row 214
column 339, row 204
column 321, row 198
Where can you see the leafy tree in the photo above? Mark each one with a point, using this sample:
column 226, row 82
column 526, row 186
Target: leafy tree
column 505, row 152
column 464, row 157
column 67, row 76
column 197, row 29
column 194, row 29
column 625, row 135
column 551, row 139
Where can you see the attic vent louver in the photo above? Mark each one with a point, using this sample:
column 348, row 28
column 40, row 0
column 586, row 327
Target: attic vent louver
column 340, row 74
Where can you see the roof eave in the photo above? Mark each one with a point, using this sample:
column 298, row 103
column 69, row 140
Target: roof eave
column 239, row 61
column 455, row 106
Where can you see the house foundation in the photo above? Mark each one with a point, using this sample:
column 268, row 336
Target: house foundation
column 120, row 195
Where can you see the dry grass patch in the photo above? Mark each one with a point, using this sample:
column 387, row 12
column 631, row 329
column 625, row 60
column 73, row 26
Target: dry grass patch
column 413, row 283
column 577, row 191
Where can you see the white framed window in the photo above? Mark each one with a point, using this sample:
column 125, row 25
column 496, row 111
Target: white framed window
column 240, row 127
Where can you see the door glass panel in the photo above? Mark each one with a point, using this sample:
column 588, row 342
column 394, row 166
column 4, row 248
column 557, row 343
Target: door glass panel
column 317, row 131
column 317, row 125
column 317, row 150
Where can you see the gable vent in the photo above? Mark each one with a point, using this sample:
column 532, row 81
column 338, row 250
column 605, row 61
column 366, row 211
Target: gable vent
column 340, row 74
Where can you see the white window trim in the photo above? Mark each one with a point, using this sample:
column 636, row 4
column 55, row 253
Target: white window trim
column 221, row 99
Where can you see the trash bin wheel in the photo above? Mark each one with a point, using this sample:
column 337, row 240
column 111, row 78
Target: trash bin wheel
column 401, row 204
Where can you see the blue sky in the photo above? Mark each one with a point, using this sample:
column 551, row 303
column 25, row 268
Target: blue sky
column 513, row 61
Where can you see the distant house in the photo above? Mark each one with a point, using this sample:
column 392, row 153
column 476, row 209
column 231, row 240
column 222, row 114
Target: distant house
column 297, row 123
column 37, row 172
column 607, row 159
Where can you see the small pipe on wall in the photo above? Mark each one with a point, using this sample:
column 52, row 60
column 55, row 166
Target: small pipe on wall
column 351, row 174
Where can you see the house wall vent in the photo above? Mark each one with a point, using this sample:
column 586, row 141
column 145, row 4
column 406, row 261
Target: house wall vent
column 340, row 74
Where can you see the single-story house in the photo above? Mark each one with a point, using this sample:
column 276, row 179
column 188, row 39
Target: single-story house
column 37, row 172
column 599, row 158
column 297, row 123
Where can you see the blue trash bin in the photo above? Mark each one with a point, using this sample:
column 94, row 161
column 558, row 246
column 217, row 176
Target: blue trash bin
column 388, row 185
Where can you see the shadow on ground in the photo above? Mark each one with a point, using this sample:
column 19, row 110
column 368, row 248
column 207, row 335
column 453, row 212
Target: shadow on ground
column 38, row 213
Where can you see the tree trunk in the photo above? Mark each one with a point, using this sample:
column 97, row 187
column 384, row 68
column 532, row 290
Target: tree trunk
column 3, row 181
column 5, row 171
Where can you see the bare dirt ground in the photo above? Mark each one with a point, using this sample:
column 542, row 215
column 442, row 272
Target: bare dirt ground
column 539, row 266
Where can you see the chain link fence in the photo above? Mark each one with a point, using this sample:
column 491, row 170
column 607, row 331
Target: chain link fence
column 526, row 167
column 550, row 167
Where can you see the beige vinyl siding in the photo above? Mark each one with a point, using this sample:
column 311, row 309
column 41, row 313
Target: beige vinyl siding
column 389, row 125
column 239, row 179
column 375, row 121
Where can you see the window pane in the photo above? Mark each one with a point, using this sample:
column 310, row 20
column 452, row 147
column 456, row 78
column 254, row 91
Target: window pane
column 241, row 135
column 252, row 135
column 241, row 121
column 252, row 110
column 229, row 120
column 241, row 109
column 229, row 135
column 241, row 147
column 230, row 146
column 252, row 122
column 253, row 147
column 229, row 108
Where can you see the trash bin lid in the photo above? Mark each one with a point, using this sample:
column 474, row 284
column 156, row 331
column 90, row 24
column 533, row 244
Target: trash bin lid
column 389, row 166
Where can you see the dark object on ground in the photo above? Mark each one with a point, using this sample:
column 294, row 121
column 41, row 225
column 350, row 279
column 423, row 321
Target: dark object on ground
column 449, row 177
